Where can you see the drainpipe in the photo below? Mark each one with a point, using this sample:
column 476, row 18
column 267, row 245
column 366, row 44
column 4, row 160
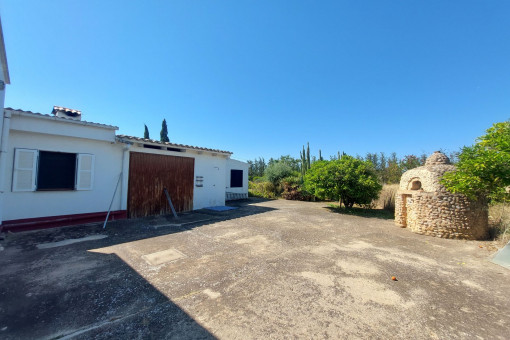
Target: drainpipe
column 4, row 139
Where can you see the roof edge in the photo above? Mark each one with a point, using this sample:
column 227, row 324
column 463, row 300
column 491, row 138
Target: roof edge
column 156, row 142
column 59, row 119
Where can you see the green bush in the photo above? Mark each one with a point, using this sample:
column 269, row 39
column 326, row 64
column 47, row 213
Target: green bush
column 292, row 187
column 261, row 189
column 349, row 180
column 276, row 172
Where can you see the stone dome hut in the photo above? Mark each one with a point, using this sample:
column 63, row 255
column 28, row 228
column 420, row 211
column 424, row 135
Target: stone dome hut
column 423, row 204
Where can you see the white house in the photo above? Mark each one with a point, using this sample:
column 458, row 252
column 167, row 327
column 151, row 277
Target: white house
column 59, row 170
column 62, row 170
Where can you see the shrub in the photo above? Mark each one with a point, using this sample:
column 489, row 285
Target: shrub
column 293, row 189
column 261, row 189
column 276, row 172
column 350, row 180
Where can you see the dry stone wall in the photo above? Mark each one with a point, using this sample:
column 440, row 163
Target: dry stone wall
column 423, row 204
column 444, row 215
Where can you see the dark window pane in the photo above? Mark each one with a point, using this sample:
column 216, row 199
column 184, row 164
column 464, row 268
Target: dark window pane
column 56, row 171
column 236, row 178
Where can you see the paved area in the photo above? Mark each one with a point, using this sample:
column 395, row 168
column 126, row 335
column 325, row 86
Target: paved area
column 270, row 269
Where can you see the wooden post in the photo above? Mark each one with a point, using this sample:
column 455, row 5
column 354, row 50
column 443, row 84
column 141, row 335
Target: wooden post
column 170, row 202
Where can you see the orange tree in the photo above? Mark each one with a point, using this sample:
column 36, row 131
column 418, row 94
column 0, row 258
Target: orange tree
column 349, row 180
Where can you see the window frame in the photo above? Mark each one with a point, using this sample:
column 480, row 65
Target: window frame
column 232, row 178
column 78, row 173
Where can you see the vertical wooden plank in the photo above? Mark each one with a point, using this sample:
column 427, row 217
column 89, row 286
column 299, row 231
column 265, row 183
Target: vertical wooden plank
column 149, row 174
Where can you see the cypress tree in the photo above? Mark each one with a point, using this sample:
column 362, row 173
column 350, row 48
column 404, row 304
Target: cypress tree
column 146, row 132
column 303, row 160
column 308, row 155
column 320, row 155
column 164, row 132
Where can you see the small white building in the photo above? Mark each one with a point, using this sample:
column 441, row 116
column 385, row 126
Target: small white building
column 61, row 170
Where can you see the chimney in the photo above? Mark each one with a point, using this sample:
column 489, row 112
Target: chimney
column 64, row 112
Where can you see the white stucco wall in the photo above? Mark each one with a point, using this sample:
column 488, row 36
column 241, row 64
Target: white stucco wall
column 212, row 168
column 59, row 126
column 233, row 164
column 111, row 158
column 108, row 165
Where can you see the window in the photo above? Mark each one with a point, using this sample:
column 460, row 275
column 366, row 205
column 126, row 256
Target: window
column 56, row 171
column 236, row 178
column 36, row 170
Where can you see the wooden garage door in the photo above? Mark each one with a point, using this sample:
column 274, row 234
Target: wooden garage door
column 149, row 174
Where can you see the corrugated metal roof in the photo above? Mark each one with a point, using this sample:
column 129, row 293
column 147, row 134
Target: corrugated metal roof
column 153, row 141
column 67, row 120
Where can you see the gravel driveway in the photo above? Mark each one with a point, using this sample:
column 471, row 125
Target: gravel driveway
column 269, row 269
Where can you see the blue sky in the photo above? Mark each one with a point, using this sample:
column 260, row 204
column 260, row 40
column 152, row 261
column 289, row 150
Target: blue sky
column 262, row 78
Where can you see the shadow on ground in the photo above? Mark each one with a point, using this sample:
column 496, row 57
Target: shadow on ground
column 362, row 212
column 129, row 230
column 71, row 292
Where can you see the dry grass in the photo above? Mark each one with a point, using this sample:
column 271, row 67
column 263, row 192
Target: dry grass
column 386, row 200
column 499, row 222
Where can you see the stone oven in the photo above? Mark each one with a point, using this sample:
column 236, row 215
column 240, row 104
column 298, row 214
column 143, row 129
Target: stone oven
column 423, row 204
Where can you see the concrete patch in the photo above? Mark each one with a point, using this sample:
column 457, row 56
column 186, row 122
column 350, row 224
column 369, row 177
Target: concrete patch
column 160, row 257
column 69, row 241
column 321, row 279
column 472, row 284
column 368, row 290
column 358, row 245
column 258, row 244
column 212, row 294
column 326, row 249
column 180, row 224
column 355, row 266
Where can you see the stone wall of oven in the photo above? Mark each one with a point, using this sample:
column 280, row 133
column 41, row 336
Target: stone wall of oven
column 441, row 214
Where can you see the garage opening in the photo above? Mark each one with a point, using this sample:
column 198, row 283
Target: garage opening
column 149, row 174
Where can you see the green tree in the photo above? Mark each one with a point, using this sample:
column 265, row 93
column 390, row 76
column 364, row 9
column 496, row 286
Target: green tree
column 483, row 169
column 276, row 171
column 146, row 132
column 164, row 132
column 256, row 168
column 308, row 164
column 409, row 162
column 290, row 161
column 349, row 180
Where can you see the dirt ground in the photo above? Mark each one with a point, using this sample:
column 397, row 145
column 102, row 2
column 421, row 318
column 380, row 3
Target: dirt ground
column 269, row 269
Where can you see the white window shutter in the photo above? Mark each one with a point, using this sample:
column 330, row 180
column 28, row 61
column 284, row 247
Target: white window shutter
column 85, row 171
column 25, row 170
